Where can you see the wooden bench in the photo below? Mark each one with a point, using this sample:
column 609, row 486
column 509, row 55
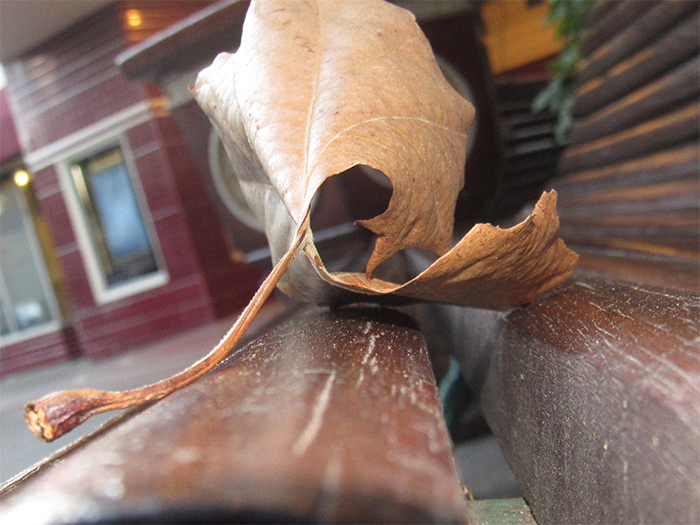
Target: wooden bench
column 331, row 417
column 593, row 390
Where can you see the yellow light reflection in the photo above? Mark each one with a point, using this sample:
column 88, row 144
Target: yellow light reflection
column 133, row 18
column 21, row 178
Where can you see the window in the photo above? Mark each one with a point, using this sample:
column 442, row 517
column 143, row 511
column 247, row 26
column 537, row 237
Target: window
column 118, row 247
column 27, row 301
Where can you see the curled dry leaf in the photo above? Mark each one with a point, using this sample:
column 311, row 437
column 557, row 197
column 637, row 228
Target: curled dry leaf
column 315, row 88
column 318, row 87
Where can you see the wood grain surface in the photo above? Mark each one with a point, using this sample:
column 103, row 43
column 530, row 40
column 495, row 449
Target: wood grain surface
column 593, row 392
column 331, row 417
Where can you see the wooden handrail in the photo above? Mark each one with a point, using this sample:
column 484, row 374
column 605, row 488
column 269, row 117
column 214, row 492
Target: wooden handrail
column 331, row 417
column 593, row 392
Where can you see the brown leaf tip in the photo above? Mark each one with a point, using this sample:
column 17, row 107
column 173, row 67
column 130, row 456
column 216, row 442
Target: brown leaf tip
column 52, row 416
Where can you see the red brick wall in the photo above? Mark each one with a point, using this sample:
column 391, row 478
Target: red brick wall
column 41, row 350
column 229, row 285
column 9, row 145
column 72, row 82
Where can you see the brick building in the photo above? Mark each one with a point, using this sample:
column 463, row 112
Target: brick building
column 110, row 240
column 128, row 226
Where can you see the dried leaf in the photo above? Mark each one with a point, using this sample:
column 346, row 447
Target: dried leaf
column 319, row 86
column 490, row 267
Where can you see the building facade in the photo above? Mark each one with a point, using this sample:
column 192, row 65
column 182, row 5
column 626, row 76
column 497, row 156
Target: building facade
column 128, row 226
column 111, row 239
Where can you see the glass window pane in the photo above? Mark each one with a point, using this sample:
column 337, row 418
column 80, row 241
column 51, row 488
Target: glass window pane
column 119, row 215
column 26, row 301
column 4, row 321
column 117, row 226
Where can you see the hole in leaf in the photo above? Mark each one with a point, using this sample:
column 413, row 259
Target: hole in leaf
column 367, row 191
column 359, row 193
column 404, row 265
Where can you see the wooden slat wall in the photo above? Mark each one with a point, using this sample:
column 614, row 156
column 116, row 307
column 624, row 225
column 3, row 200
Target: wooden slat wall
column 630, row 192
column 530, row 149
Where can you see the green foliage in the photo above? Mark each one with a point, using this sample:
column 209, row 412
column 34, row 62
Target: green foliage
column 559, row 95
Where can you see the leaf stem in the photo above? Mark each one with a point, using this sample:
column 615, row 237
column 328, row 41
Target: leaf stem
column 55, row 414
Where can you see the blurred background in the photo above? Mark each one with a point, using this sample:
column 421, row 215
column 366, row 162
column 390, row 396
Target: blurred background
column 126, row 246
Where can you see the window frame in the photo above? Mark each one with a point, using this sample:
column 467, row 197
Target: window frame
column 55, row 322
column 102, row 291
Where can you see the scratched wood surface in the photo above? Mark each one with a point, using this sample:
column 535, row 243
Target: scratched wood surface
column 629, row 192
column 331, row 417
column 593, row 392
